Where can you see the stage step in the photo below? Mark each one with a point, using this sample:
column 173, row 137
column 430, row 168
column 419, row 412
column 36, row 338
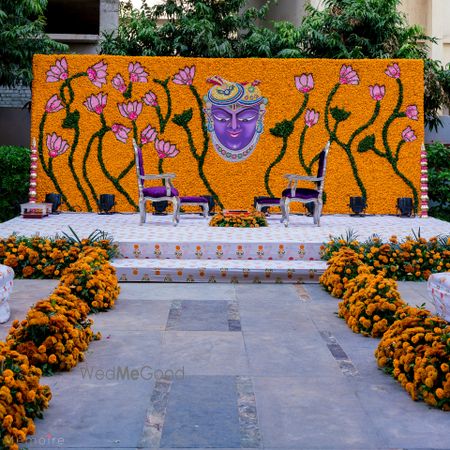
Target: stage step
column 218, row 271
column 225, row 249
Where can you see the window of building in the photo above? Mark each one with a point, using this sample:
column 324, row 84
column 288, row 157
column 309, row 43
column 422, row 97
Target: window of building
column 73, row 17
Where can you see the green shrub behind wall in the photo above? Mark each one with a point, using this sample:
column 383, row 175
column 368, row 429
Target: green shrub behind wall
column 14, row 180
column 439, row 180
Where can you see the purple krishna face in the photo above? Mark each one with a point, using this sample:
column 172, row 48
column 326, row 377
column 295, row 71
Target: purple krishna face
column 235, row 125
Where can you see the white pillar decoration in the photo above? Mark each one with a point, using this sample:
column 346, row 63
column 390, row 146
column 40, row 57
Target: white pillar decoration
column 423, row 183
column 6, row 285
column 32, row 194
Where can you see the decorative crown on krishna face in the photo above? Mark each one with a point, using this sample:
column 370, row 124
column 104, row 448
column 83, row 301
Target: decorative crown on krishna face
column 235, row 113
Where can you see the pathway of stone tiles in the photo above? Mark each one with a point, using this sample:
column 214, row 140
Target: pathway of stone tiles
column 202, row 366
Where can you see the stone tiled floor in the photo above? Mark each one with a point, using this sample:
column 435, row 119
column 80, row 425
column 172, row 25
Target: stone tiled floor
column 171, row 372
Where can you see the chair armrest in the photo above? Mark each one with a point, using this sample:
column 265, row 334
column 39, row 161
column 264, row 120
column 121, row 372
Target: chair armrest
column 162, row 176
column 292, row 177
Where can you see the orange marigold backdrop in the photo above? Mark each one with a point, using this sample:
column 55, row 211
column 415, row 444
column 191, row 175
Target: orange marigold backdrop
column 87, row 109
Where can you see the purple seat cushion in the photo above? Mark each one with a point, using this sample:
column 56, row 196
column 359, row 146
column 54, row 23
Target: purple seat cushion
column 158, row 191
column 301, row 193
column 193, row 199
column 268, row 201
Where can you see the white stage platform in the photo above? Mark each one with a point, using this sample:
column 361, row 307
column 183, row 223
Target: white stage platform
column 195, row 252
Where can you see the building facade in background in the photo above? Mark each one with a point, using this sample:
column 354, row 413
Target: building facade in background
column 77, row 23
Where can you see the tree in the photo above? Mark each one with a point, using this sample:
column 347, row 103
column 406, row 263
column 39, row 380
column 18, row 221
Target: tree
column 374, row 29
column 204, row 28
column 224, row 28
column 21, row 36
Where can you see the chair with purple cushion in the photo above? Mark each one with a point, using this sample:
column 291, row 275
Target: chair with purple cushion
column 155, row 193
column 294, row 194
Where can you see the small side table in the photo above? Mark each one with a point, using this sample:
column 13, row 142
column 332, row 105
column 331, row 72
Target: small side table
column 266, row 202
column 6, row 285
column 35, row 210
column 196, row 201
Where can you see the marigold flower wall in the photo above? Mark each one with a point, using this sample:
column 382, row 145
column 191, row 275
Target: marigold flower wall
column 87, row 108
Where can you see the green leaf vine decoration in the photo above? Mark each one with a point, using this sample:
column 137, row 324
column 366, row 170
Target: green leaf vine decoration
column 71, row 121
column 48, row 169
column 283, row 130
column 388, row 154
column 306, row 167
column 182, row 120
column 160, row 166
column 85, row 160
column 340, row 115
column 132, row 162
column 163, row 120
column 101, row 133
column 127, row 94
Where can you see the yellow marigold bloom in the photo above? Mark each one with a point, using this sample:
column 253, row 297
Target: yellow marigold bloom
column 42, row 349
column 440, row 394
column 7, row 421
column 8, row 373
column 52, row 359
column 444, row 367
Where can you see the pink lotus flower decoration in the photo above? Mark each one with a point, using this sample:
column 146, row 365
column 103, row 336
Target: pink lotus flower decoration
column 165, row 149
column 304, row 83
column 150, row 99
column 348, row 76
column 56, row 145
column 137, row 73
column 408, row 135
column 96, row 103
column 412, row 112
column 393, row 71
column 311, row 117
column 121, row 132
column 185, row 76
column 377, row 92
column 54, row 104
column 119, row 83
column 58, row 72
column 97, row 74
column 130, row 110
column 148, row 134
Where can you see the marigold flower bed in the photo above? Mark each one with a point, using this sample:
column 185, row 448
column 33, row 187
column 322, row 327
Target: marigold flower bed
column 56, row 331
column 414, row 258
column 370, row 303
column 415, row 345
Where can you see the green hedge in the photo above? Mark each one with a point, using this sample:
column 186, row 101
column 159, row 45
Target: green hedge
column 439, row 180
column 14, row 180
